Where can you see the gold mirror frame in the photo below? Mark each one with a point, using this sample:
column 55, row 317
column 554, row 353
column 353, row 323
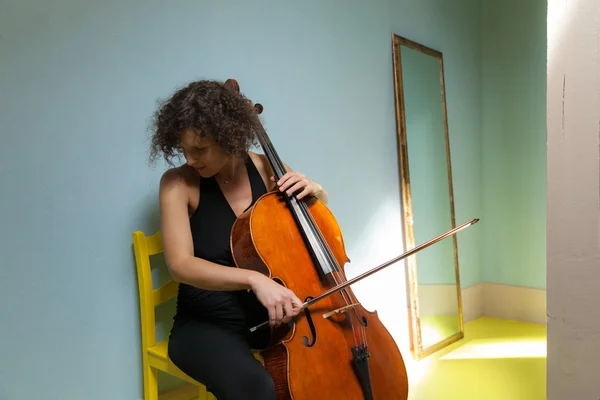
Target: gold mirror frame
column 406, row 201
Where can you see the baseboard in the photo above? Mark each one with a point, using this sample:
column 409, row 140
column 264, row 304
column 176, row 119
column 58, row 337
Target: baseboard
column 438, row 300
column 441, row 300
column 515, row 303
column 504, row 301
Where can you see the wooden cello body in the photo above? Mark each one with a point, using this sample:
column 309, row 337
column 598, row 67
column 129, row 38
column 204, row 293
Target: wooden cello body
column 335, row 349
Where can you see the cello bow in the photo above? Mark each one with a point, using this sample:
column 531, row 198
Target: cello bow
column 378, row 268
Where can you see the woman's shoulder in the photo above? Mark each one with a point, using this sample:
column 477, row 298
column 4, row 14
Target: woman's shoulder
column 264, row 168
column 178, row 178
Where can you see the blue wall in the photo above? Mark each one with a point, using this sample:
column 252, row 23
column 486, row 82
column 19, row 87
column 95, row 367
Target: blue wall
column 514, row 142
column 79, row 82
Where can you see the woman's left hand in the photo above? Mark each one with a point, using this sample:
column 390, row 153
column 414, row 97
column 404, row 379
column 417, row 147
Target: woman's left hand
column 294, row 181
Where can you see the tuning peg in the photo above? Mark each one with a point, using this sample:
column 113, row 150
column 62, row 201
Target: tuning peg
column 232, row 85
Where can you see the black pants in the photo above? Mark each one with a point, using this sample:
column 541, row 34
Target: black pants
column 215, row 348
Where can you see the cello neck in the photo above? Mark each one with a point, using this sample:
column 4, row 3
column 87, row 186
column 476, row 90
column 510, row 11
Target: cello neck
column 270, row 152
column 316, row 245
column 322, row 256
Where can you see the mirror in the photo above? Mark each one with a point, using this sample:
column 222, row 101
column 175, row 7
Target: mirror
column 435, row 305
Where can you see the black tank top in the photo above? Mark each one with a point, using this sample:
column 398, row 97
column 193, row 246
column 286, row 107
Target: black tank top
column 211, row 226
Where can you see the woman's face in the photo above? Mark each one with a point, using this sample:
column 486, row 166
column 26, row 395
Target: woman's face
column 202, row 153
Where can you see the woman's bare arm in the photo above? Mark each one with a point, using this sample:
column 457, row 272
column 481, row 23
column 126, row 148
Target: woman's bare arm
column 183, row 266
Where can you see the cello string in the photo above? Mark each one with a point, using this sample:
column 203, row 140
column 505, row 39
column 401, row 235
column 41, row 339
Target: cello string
column 279, row 171
column 354, row 314
column 312, row 234
column 358, row 337
column 348, row 298
column 279, row 168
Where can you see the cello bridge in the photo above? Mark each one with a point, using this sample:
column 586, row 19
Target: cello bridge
column 339, row 310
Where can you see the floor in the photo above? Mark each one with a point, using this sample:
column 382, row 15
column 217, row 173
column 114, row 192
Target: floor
column 497, row 359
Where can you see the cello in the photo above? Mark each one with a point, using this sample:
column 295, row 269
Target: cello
column 336, row 349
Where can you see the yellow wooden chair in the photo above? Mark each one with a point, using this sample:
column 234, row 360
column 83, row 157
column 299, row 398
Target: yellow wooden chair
column 154, row 355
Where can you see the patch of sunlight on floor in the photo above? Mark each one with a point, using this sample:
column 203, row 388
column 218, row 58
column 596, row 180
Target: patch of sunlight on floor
column 497, row 360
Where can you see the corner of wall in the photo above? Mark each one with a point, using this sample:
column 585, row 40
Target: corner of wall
column 515, row 303
column 509, row 302
column 472, row 302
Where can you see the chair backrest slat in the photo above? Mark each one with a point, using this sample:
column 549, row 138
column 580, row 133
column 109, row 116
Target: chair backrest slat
column 154, row 243
column 144, row 247
column 165, row 292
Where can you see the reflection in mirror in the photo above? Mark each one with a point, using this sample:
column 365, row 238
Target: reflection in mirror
column 427, row 201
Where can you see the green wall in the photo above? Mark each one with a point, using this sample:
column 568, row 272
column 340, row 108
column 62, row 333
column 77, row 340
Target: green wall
column 514, row 142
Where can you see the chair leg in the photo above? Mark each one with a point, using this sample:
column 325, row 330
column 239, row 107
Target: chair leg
column 210, row 396
column 150, row 383
column 203, row 394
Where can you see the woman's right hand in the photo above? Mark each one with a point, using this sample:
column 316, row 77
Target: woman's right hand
column 281, row 303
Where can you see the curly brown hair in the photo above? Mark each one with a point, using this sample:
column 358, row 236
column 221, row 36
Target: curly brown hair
column 212, row 110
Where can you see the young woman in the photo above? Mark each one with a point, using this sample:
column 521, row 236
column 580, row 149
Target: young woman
column 218, row 303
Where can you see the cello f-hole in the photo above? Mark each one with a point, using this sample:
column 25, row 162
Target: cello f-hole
column 313, row 332
column 361, row 320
